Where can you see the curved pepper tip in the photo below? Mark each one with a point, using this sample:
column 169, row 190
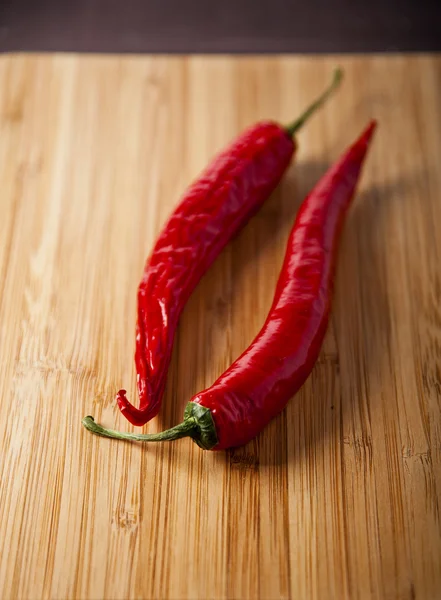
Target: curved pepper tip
column 135, row 416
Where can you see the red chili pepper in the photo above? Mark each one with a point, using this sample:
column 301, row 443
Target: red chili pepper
column 212, row 211
column 260, row 382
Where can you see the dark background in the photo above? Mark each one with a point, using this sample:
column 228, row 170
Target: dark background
column 220, row 26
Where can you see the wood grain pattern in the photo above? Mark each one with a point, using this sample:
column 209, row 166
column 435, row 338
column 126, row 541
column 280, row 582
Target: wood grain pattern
column 340, row 496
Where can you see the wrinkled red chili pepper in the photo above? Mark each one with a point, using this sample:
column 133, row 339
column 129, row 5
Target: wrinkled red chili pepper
column 260, row 382
column 212, row 211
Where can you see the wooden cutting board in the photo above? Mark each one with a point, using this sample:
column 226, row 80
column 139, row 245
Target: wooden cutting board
column 340, row 496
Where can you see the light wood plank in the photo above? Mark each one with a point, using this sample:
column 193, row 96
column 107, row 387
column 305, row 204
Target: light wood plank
column 339, row 497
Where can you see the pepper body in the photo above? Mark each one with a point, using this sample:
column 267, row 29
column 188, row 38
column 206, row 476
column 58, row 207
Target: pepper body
column 212, row 211
column 260, row 382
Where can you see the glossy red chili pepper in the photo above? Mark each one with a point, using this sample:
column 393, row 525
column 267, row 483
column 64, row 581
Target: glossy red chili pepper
column 260, row 382
column 212, row 211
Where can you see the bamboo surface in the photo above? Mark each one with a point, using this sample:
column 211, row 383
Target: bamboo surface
column 340, row 496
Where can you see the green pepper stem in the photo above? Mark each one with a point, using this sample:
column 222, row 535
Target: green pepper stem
column 198, row 424
column 297, row 124
column 184, row 429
